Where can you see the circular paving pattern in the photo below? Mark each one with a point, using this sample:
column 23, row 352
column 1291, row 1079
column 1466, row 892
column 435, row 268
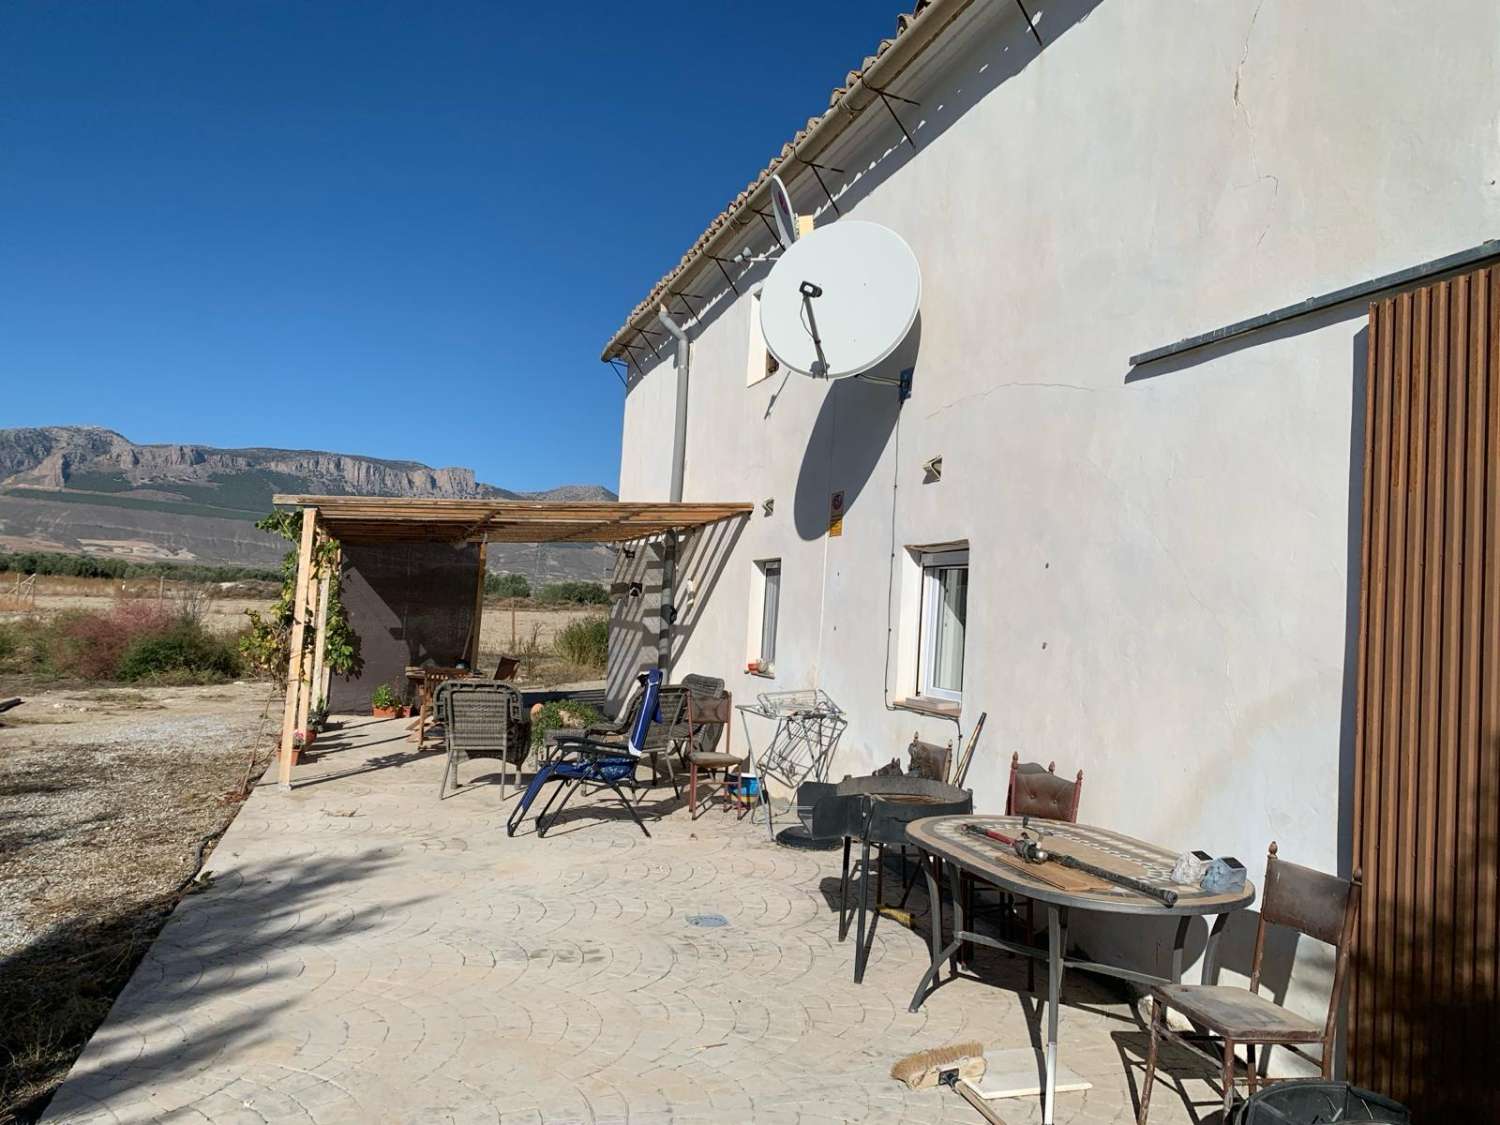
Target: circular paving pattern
column 367, row 953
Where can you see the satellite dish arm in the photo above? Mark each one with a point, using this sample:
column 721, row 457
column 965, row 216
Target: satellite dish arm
column 809, row 290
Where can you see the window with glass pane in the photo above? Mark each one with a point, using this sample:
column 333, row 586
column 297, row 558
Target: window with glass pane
column 771, row 570
column 945, row 596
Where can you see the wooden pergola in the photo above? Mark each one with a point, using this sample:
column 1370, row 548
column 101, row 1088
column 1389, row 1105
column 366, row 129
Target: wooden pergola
column 383, row 519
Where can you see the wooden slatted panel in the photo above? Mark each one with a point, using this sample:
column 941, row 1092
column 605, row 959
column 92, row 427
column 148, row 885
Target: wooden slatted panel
column 385, row 519
column 1425, row 1005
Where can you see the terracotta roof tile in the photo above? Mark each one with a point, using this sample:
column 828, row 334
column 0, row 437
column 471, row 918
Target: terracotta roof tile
column 662, row 289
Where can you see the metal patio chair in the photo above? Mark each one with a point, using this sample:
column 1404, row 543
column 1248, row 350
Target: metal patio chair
column 1311, row 902
column 594, row 764
column 481, row 719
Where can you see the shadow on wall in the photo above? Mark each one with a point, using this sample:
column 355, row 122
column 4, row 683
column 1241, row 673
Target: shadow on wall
column 853, row 427
column 1145, row 943
column 246, row 927
column 635, row 618
column 701, row 559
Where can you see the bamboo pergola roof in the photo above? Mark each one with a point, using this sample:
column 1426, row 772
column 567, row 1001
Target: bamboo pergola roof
column 387, row 519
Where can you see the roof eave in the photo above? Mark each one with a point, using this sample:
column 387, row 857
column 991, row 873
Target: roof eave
column 915, row 33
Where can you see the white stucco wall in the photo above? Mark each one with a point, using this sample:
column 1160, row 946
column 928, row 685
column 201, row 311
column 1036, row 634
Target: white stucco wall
column 1160, row 573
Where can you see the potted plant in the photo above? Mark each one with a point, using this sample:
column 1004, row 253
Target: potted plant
column 384, row 704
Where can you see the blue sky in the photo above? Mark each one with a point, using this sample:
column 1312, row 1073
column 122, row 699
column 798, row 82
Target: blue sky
column 396, row 229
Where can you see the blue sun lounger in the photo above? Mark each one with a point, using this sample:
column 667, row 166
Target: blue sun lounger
column 597, row 765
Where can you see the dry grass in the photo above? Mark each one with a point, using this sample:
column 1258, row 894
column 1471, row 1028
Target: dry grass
column 534, row 640
column 103, row 814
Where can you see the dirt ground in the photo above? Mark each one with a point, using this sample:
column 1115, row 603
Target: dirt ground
column 106, row 797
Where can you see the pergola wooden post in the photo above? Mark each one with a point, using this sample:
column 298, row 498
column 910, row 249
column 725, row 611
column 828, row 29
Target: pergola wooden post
column 295, row 688
column 319, row 681
column 380, row 520
column 472, row 655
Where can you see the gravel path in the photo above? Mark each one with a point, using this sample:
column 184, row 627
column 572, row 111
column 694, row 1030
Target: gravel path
column 104, row 797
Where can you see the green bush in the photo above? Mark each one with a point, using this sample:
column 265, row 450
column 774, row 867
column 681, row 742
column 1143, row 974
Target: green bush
column 92, row 566
column 576, row 593
column 185, row 652
column 507, row 586
column 585, row 642
column 560, row 714
column 10, row 643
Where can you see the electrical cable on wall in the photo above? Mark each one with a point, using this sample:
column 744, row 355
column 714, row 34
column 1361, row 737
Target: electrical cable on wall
column 890, row 586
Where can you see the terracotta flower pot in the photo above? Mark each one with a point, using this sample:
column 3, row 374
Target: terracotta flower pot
column 387, row 712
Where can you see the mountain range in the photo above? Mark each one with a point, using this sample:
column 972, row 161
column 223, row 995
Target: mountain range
column 88, row 489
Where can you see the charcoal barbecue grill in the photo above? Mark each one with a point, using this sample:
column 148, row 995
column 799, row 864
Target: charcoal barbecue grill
column 875, row 811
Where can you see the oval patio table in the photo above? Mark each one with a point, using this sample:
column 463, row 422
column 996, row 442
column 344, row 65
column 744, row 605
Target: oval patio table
column 944, row 839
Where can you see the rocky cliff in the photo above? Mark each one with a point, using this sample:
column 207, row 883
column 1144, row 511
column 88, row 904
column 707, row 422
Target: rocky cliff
column 84, row 488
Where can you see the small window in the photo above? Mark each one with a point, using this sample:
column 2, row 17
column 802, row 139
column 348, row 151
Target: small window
column 762, row 364
column 945, row 612
column 770, row 606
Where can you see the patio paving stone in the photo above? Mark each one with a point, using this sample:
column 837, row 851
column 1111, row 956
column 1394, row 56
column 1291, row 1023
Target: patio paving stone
column 366, row 953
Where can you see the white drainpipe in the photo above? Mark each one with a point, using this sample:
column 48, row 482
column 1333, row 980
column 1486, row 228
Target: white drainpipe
column 679, row 428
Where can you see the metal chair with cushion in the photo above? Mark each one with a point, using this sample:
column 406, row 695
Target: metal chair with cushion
column 481, row 719
column 1035, row 791
column 1311, row 902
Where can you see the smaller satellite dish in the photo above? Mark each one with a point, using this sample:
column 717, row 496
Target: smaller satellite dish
column 841, row 300
column 786, row 218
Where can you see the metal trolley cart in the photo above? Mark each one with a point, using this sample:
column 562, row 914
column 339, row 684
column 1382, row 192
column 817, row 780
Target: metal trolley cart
column 808, row 726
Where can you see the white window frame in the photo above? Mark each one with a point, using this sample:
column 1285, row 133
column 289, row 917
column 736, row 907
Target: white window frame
column 931, row 562
column 760, row 365
column 766, row 606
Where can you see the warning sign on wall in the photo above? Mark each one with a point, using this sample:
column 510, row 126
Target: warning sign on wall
column 836, row 513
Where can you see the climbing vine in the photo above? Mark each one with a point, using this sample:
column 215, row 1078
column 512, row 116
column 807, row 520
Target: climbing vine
column 267, row 644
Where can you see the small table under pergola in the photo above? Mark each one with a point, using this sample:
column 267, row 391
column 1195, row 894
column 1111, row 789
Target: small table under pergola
column 387, row 519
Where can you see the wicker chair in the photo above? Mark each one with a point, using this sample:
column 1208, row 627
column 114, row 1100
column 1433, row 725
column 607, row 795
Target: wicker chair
column 481, row 719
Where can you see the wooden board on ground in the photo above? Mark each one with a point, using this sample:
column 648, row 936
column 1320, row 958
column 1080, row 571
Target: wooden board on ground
column 1018, row 1073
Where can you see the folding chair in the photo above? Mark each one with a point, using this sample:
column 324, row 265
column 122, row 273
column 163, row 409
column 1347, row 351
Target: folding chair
column 597, row 765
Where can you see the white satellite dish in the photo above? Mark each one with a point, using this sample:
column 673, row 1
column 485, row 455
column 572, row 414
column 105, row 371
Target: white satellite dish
column 840, row 300
column 786, row 218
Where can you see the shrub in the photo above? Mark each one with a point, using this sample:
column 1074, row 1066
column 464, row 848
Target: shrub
column 585, row 642
column 92, row 566
column 507, row 586
column 183, row 653
column 559, row 714
column 93, row 645
column 10, row 642
column 576, row 593
column 383, row 697
column 266, row 644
